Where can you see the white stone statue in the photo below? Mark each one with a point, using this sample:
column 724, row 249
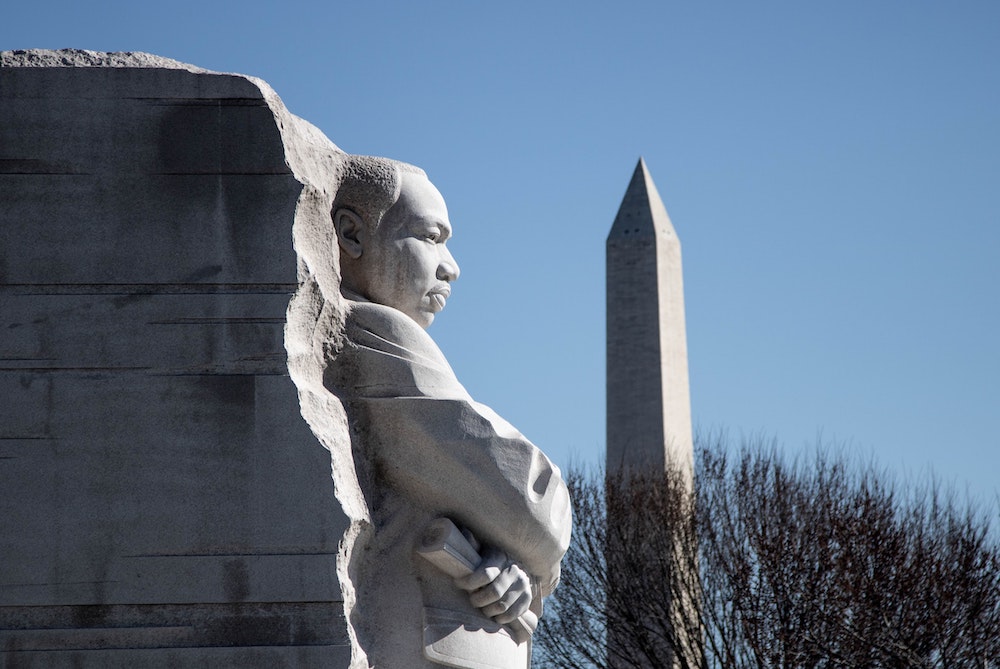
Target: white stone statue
column 459, row 522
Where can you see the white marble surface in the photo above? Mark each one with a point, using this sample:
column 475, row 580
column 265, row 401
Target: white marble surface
column 420, row 447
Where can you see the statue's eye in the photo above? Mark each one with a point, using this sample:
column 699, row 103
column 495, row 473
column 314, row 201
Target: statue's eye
column 431, row 236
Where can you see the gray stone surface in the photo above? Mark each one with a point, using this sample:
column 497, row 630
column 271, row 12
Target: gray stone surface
column 648, row 401
column 85, row 58
column 163, row 503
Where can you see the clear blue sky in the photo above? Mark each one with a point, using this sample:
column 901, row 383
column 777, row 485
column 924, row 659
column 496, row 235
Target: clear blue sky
column 832, row 169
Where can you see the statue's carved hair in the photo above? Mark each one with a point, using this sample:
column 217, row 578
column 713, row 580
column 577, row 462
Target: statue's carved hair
column 370, row 185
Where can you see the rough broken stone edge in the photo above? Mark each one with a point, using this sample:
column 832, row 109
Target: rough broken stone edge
column 314, row 161
column 85, row 58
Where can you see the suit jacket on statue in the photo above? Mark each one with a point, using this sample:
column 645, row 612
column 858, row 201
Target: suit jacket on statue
column 423, row 448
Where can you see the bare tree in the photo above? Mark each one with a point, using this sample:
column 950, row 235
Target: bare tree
column 627, row 524
column 819, row 563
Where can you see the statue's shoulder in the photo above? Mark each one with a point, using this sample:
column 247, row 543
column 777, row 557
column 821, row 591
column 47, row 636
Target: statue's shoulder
column 390, row 330
column 388, row 355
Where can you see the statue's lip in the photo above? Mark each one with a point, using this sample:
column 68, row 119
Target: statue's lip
column 444, row 291
column 439, row 296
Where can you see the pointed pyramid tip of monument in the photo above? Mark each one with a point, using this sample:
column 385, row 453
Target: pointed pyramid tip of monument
column 640, row 169
column 642, row 172
column 641, row 213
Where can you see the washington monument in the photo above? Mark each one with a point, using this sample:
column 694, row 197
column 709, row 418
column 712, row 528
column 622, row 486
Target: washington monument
column 648, row 402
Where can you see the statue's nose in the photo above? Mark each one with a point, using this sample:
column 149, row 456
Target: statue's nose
column 448, row 269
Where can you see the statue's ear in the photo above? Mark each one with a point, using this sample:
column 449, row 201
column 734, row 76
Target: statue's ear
column 350, row 230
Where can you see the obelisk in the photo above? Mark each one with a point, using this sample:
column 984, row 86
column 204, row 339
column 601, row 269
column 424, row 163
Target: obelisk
column 648, row 401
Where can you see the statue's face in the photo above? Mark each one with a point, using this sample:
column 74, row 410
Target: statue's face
column 406, row 262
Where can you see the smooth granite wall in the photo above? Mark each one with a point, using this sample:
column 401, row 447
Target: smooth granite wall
column 162, row 502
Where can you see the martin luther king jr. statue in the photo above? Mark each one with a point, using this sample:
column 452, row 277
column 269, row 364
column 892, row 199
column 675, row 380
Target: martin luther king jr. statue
column 458, row 521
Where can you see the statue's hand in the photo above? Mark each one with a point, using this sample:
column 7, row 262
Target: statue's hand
column 499, row 588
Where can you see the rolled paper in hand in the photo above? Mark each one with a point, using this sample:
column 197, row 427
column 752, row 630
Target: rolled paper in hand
column 444, row 546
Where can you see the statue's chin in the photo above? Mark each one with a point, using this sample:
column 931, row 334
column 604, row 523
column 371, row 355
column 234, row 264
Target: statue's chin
column 423, row 319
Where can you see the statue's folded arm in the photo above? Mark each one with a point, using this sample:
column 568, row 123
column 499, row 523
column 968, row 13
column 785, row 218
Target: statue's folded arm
column 448, row 456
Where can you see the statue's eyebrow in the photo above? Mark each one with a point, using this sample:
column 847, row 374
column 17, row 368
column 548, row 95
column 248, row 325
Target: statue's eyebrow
column 419, row 222
column 445, row 227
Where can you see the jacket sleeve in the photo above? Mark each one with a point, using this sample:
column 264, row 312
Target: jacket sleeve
column 422, row 435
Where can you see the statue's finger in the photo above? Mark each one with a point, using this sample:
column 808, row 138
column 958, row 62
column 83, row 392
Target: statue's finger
column 488, row 570
column 479, row 578
column 494, row 591
column 518, row 609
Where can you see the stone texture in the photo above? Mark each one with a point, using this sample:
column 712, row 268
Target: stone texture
column 163, row 502
column 85, row 58
column 420, row 447
column 648, row 401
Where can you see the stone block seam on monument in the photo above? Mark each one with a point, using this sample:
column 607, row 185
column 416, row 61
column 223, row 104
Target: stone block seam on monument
column 151, row 485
